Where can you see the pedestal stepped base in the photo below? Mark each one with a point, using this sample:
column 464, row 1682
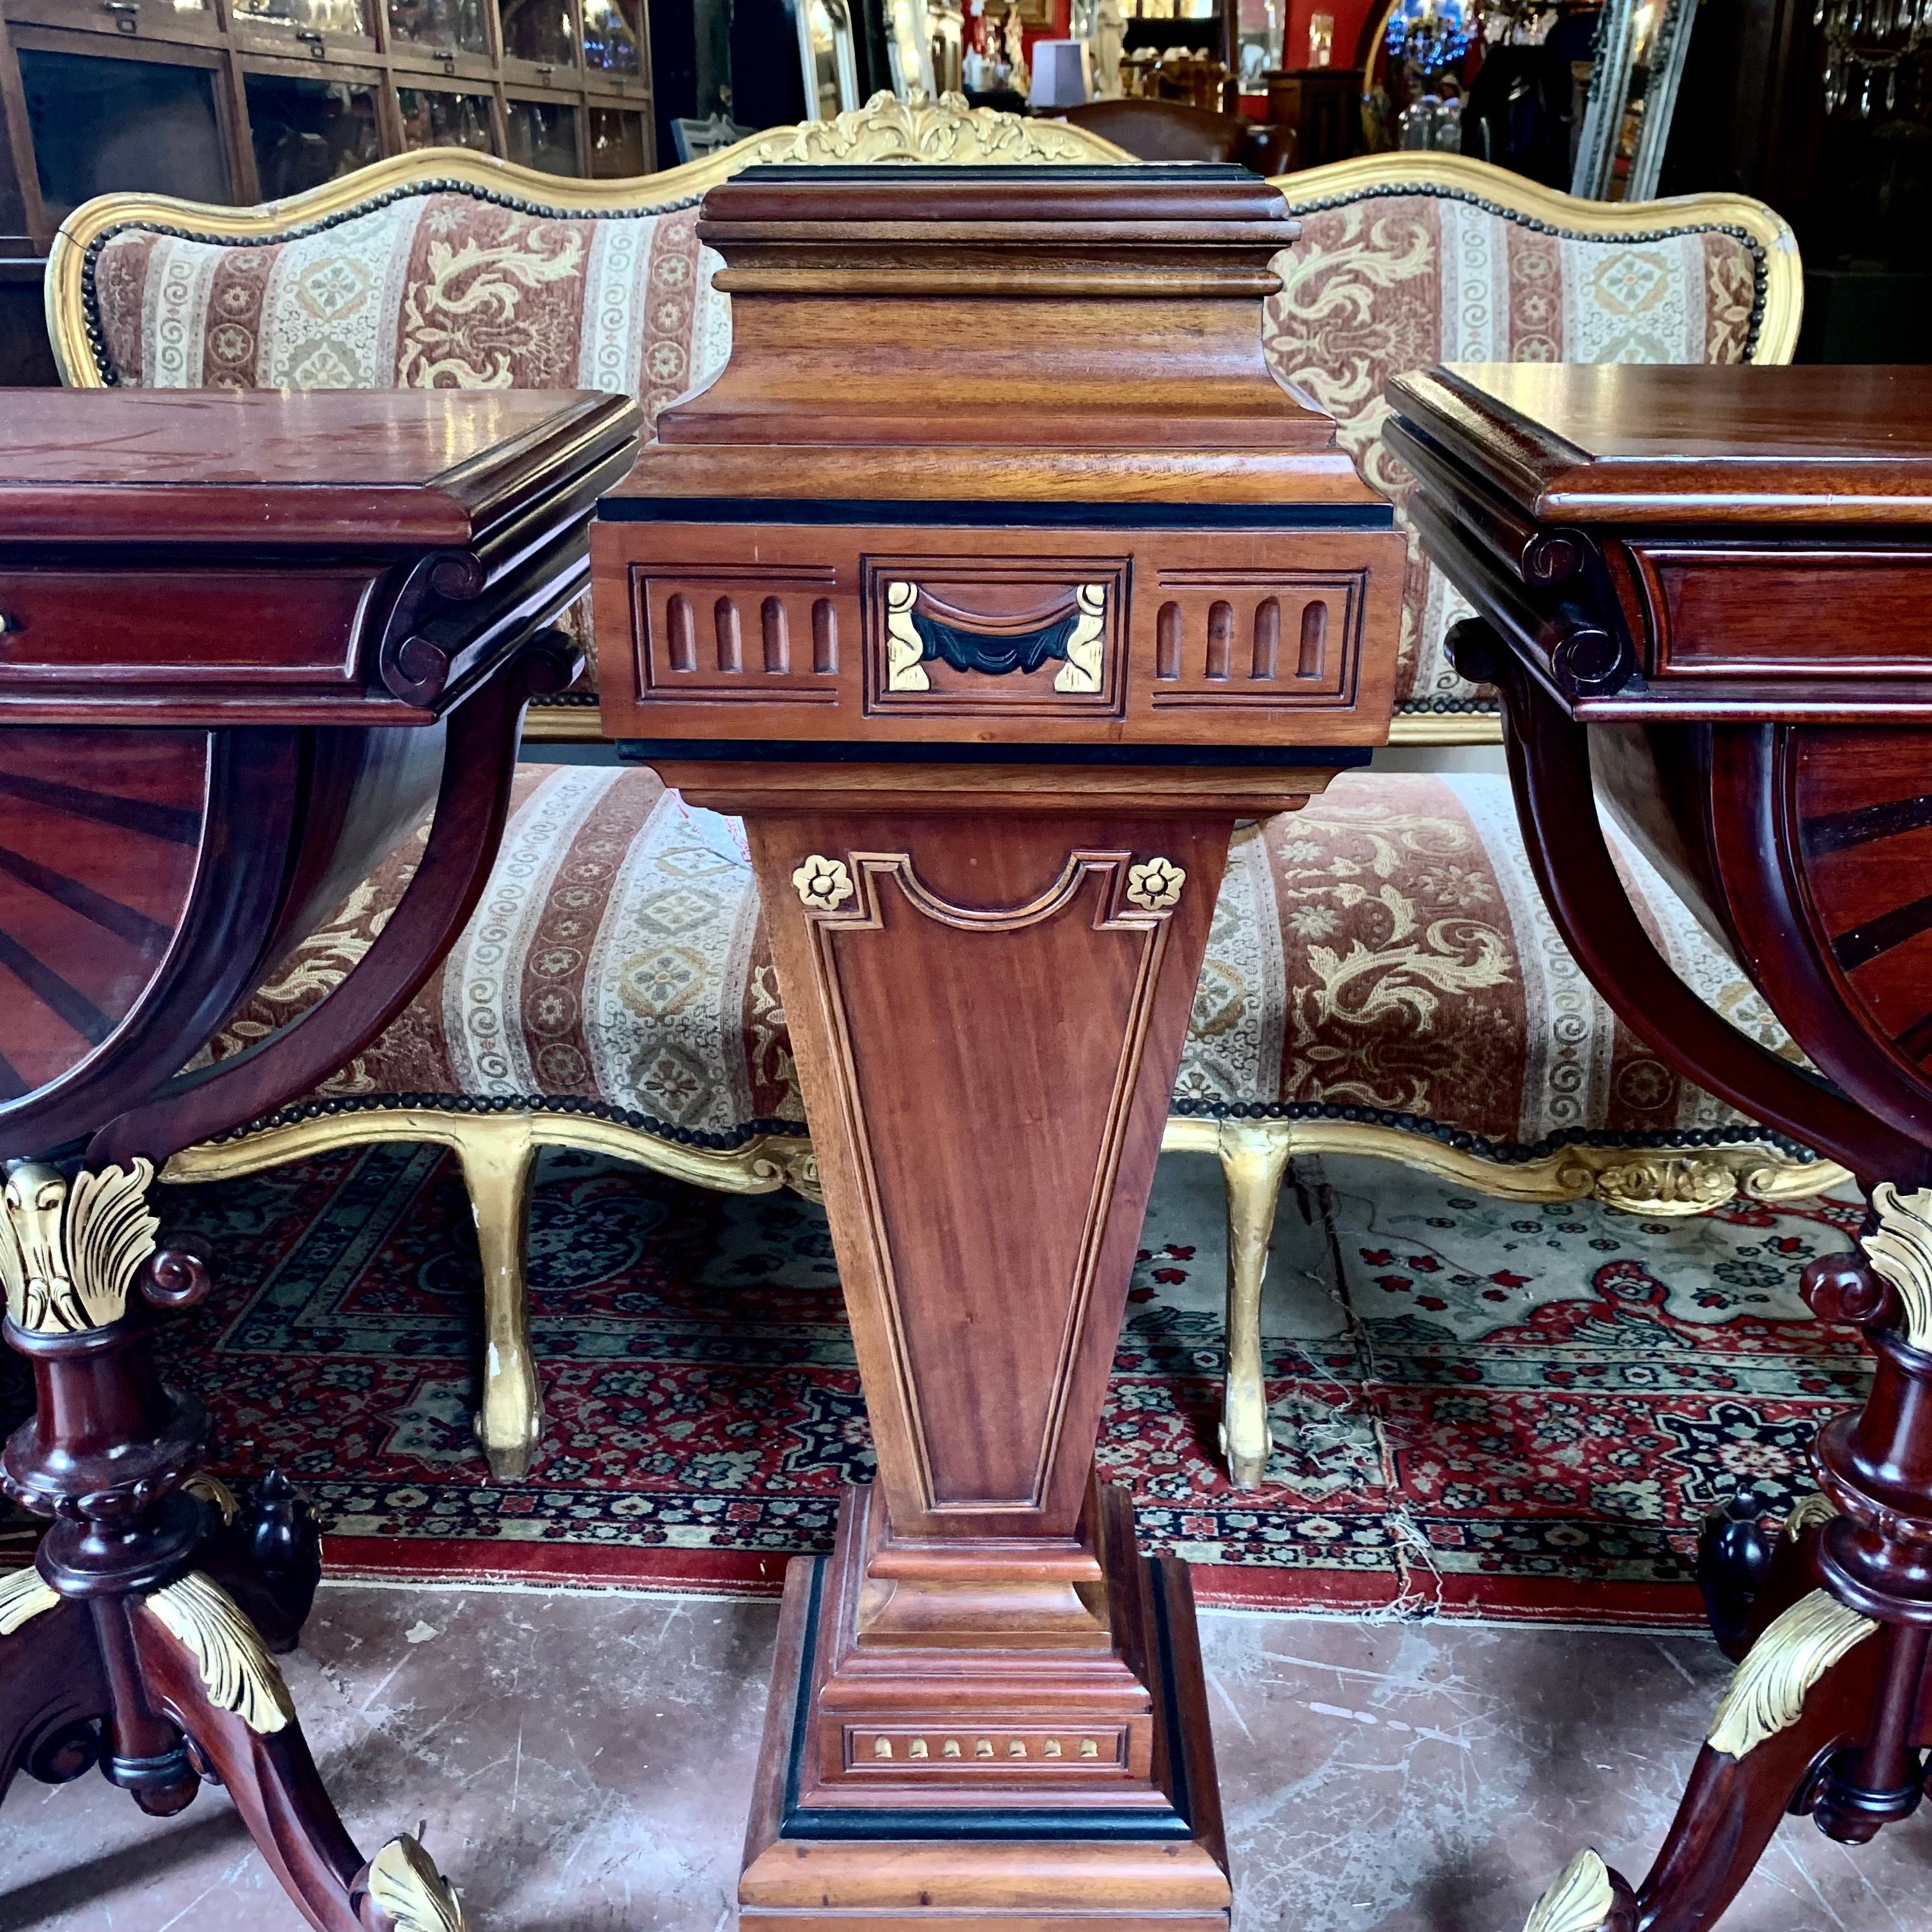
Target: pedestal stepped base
column 1042, row 584
column 1019, row 1796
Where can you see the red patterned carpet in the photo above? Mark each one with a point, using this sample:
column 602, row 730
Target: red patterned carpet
column 1481, row 1408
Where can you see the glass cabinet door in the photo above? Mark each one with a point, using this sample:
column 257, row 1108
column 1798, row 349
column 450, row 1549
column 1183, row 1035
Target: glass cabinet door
column 100, row 124
column 434, row 118
column 439, row 26
column 312, row 22
column 306, row 132
column 541, row 33
column 180, row 21
column 543, row 135
column 617, row 143
column 611, row 37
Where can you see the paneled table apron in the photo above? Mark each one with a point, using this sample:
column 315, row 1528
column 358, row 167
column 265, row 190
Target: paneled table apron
column 991, row 581
column 1712, row 590
column 244, row 640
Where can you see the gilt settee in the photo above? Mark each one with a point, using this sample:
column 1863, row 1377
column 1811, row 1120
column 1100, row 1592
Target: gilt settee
column 1382, row 978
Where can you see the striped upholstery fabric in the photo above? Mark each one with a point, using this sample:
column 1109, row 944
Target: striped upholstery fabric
column 1385, row 950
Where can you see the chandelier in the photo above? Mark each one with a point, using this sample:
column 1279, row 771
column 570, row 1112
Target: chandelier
column 1431, row 34
column 1865, row 41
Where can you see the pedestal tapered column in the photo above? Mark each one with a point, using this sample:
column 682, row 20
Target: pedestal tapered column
column 987, row 1702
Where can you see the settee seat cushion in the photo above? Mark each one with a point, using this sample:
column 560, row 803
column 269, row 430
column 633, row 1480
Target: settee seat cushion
column 1384, row 951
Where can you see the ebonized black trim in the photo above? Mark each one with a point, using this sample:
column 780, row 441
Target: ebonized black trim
column 1837, row 831
column 814, row 751
column 764, row 173
column 1001, row 515
column 1114, row 1827
column 1170, row 1694
column 1864, row 943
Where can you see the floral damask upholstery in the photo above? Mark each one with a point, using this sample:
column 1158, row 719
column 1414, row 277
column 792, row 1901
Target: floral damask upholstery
column 456, row 288
column 1383, row 949
column 1384, row 281
column 425, row 291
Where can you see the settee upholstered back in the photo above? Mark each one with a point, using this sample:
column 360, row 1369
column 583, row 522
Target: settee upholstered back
column 1410, row 259
column 447, row 269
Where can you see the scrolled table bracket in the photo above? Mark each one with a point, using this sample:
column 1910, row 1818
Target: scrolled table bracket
column 472, row 803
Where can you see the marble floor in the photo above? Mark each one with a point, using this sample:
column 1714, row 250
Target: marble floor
column 582, row 1761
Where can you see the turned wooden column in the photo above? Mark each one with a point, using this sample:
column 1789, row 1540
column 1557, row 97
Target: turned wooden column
column 991, row 583
column 1703, row 596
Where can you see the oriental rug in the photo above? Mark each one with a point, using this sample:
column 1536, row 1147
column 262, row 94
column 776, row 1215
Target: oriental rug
column 1481, row 1408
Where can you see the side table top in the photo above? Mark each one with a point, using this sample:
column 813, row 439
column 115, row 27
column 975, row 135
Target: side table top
column 400, row 468
column 1638, row 443
column 321, row 557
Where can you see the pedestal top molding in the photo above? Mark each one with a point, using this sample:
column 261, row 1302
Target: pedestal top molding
column 997, row 461
column 1006, row 336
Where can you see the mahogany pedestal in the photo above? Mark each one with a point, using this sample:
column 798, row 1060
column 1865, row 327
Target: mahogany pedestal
column 991, row 583
column 244, row 640
column 1704, row 598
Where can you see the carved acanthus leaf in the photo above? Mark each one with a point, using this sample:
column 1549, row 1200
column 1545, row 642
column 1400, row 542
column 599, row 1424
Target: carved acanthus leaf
column 1901, row 1248
column 239, row 1673
column 920, row 129
column 408, row 1890
column 1580, row 1901
column 1815, row 1508
column 24, row 1595
column 1768, row 1690
column 213, row 1489
column 69, row 1251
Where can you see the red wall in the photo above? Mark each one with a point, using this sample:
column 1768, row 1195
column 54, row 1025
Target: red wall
column 1350, row 17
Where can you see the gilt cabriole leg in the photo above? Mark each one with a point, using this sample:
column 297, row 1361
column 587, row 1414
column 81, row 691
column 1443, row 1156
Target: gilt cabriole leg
column 498, row 1154
column 1254, row 1157
column 119, row 1645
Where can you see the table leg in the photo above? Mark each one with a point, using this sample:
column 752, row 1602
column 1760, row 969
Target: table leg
column 120, row 1645
column 1824, row 1715
column 989, row 1708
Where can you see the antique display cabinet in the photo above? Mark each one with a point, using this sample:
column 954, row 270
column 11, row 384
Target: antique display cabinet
column 992, row 581
column 248, row 100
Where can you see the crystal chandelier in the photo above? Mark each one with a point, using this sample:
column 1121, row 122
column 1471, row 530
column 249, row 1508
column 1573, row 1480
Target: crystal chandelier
column 1431, row 34
column 1865, row 41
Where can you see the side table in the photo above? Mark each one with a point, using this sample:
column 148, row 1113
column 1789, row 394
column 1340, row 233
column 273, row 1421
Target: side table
column 1708, row 594
column 245, row 639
